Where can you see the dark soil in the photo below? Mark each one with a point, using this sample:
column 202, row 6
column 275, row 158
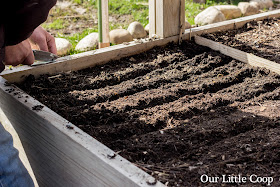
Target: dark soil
column 37, row 107
column 262, row 38
column 176, row 112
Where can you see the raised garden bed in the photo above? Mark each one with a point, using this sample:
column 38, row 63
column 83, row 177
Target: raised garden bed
column 191, row 111
column 176, row 112
column 260, row 38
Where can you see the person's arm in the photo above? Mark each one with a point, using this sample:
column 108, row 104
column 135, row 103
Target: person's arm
column 19, row 54
column 2, row 48
column 22, row 17
column 22, row 53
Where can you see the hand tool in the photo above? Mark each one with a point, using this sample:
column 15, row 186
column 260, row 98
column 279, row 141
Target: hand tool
column 43, row 57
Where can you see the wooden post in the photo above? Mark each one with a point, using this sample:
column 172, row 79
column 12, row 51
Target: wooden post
column 63, row 156
column 166, row 17
column 104, row 40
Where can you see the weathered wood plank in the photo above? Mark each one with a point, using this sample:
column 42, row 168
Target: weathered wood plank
column 234, row 23
column 84, row 60
column 105, row 25
column 18, row 145
column 62, row 154
column 152, row 17
column 242, row 56
column 68, row 157
column 166, row 16
column 102, row 56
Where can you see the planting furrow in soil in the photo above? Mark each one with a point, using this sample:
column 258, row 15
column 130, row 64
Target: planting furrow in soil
column 188, row 111
column 156, row 79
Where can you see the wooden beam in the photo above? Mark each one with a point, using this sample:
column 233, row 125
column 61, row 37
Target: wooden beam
column 182, row 20
column 152, row 18
column 234, row 23
column 242, row 56
column 18, row 145
column 105, row 24
column 166, row 17
column 84, row 60
column 102, row 56
column 60, row 153
column 62, row 156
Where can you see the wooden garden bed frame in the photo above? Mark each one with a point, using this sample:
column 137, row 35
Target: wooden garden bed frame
column 63, row 155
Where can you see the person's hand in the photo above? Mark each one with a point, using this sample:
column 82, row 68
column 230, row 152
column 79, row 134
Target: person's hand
column 43, row 40
column 19, row 54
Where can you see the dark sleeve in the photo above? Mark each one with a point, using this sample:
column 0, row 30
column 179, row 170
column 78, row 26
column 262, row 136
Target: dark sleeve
column 2, row 48
column 23, row 16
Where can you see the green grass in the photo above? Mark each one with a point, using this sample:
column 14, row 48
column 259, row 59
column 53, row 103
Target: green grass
column 139, row 12
column 74, row 39
column 56, row 24
column 122, row 7
column 192, row 9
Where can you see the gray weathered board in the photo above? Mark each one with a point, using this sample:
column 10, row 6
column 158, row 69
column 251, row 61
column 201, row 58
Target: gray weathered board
column 62, row 156
column 60, row 153
column 242, row 56
column 166, row 17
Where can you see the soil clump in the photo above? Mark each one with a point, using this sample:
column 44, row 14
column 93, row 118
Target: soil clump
column 177, row 112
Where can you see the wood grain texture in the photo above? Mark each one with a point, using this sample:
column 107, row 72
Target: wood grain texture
column 18, row 145
column 152, row 18
column 242, row 56
column 102, row 45
column 102, row 56
column 166, row 17
column 68, row 157
column 84, row 60
column 105, row 25
column 160, row 18
column 62, row 154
